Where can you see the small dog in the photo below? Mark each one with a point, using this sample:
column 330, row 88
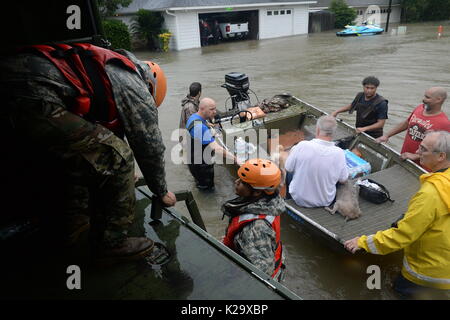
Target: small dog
column 346, row 201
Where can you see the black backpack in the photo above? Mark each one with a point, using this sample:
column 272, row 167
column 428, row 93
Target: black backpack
column 374, row 195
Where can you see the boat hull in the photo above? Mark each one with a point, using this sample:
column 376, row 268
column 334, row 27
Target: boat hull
column 387, row 168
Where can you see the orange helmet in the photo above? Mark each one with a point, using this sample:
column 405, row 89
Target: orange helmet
column 261, row 174
column 158, row 82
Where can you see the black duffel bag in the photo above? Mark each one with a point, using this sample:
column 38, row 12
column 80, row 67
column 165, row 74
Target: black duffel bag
column 373, row 195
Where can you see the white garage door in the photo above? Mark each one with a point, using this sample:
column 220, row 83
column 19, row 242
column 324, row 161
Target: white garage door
column 278, row 23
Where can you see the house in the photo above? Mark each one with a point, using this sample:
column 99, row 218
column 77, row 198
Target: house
column 266, row 18
column 367, row 9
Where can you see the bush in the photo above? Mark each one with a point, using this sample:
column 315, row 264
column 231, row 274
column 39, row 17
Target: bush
column 117, row 33
column 147, row 25
column 343, row 14
column 164, row 39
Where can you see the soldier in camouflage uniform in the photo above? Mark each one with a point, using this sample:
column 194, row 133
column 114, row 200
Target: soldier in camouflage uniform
column 254, row 228
column 36, row 99
column 189, row 104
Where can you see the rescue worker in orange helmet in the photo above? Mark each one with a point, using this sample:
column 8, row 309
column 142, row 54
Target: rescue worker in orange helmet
column 157, row 82
column 254, row 228
column 74, row 104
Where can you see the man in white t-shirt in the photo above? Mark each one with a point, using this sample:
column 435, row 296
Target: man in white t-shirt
column 316, row 167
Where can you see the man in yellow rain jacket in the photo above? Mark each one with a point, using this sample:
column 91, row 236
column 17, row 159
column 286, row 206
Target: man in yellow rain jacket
column 424, row 231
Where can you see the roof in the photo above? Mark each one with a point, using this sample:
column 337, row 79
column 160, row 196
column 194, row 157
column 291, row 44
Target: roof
column 356, row 3
column 174, row 4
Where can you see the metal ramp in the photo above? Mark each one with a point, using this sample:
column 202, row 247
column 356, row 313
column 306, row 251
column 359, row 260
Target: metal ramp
column 191, row 265
column 401, row 184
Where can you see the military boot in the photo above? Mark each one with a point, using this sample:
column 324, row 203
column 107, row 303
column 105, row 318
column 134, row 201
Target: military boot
column 131, row 248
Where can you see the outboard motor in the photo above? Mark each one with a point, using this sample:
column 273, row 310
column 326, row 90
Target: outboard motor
column 237, row 85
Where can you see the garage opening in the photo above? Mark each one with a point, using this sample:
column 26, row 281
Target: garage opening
column 217, row 27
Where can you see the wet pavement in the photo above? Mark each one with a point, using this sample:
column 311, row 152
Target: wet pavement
column 326, row 71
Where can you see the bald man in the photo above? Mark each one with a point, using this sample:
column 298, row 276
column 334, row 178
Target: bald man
column 201, row 163
column 425, row 117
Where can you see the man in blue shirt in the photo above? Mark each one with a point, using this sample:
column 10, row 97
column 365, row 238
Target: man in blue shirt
column 371, row 109
column 203, row 145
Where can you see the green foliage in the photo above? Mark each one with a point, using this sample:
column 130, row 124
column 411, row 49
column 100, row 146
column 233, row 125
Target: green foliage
column 147, row 25
column 343, row 14
column 425, row 10
column 117, row 33
column 108, row 8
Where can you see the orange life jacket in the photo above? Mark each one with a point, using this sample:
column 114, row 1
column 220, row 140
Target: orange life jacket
column 238, row 222
column 83, row 65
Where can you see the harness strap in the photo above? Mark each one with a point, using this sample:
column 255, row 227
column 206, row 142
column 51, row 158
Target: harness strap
column 99, row 104
column 370, row 106
column 355, row 101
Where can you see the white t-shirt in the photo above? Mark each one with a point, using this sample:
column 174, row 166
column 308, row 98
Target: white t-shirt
column 317, row 166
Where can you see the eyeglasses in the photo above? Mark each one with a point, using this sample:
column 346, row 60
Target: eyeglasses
column 423, row 149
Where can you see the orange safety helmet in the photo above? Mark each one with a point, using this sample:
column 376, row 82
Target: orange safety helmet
column 261, row 174
column 158, row 82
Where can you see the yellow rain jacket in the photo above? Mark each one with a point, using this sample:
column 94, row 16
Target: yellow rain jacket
column 423, row 233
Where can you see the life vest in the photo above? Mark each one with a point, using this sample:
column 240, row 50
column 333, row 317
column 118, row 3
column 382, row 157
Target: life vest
column 83, row 65
column 238, row 222
column 366, row 114
column 195, row 141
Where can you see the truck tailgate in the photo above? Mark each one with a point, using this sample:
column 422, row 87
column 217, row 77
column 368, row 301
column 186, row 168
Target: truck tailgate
column 239, row 27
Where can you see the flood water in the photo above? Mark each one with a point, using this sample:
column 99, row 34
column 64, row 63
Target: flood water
column 326, row 71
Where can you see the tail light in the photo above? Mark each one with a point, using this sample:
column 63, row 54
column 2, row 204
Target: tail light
column 227, row 28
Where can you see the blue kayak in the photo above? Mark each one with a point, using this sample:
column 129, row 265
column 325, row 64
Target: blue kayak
column 365, row 30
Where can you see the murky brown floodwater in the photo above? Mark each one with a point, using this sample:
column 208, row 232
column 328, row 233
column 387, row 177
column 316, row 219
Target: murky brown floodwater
column 325, row 71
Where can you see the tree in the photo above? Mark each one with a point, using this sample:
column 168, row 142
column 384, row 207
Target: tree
column 425, row 10
column 343, row 14
column 147, row 25
column 437, row 10
column 108, row 8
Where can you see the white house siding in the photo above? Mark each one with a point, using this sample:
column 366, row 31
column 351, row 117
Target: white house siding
column 273, row 26
column 184, row 25
column 185, row 30
column 170, row 23
column 301, row 18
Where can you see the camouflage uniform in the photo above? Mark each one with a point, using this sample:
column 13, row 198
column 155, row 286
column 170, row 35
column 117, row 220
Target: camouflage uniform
column 97, row 164
column 189, row 106
column 256, row 242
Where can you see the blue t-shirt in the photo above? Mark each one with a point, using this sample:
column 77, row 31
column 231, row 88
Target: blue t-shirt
column 200, row 130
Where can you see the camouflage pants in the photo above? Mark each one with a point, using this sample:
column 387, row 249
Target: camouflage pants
column 98, row 166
